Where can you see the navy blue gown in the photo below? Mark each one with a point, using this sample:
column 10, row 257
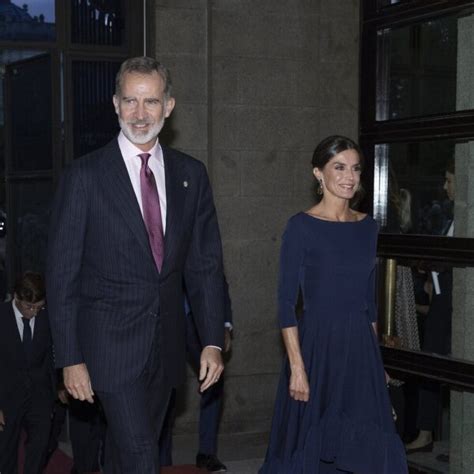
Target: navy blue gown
column 347, row 425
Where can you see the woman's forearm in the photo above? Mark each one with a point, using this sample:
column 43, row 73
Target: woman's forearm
column 292, row 345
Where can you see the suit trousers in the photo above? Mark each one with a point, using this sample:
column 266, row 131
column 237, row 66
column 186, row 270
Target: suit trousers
column 32, row 412
column 211, row 400
column 85, row 430
column 134, row 418
column 209, row 408
column 436, row 339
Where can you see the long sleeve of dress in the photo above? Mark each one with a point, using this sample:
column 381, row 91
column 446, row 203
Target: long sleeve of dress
column 291, row 260
column 371, row 303
column 372, row 281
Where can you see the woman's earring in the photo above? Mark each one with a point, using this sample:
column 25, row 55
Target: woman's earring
column 320, row 187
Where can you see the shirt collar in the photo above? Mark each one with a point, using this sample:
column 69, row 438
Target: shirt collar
column 17, row 312
column 130, row 151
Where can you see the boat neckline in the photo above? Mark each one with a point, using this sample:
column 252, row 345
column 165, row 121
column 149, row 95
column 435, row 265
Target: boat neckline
column 335, row 222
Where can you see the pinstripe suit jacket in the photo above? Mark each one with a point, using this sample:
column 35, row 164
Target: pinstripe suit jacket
column 105, row 294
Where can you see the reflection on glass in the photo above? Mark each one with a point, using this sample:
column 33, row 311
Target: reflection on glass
column 400, row 301
column 31, row 210
column 3, row 242
column 422, row 300
column 414, row 188
column 427, row 425
column 21, row 20
column 95, row 121
column 425, row 68
column 97, row 22
column 25, row 111
column 431, row 303
column 386, row 3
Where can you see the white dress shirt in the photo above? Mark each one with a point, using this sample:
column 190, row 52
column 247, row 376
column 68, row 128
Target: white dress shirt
column 156, row 163
column 434, row 275
column 19, row 321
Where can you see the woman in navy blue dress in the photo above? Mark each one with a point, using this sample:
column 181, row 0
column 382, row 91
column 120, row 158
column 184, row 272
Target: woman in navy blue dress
column 332, row 412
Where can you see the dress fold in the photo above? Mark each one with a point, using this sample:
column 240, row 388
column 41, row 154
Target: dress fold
column 346, row 426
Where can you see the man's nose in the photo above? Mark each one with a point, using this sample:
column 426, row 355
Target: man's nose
column 140, row 110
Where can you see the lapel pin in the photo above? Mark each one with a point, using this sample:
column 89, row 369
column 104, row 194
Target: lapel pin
column 185, row 184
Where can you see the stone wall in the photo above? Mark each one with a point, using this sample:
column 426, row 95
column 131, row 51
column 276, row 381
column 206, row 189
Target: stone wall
column 462, row 403
column 257, row 84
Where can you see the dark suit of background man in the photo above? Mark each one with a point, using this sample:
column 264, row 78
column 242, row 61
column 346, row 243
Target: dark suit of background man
column 115, row 282
column 436, row 337
column 210, row 405
column 26, row 376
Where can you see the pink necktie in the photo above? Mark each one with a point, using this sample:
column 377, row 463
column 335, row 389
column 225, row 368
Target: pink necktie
column 152, row 211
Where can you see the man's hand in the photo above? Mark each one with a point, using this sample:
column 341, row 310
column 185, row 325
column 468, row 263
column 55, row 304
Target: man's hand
column 211, row 367
column 227, row 340
column 78, row 383
column 2, row 420
column 63, row 396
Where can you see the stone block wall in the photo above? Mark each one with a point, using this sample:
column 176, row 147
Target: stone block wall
column 258, row 84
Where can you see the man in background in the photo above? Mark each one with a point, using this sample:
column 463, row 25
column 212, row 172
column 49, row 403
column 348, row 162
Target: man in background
column 436, row 333
column 27, row 380
column 210, row 406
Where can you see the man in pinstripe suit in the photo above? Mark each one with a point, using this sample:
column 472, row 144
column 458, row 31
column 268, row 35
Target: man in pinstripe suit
column 131, row 222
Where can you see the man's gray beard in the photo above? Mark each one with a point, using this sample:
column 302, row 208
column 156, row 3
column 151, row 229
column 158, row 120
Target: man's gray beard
column 141, row 139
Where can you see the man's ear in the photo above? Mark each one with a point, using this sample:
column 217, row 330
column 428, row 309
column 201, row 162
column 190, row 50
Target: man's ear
column 169, row 106
column 116, row 101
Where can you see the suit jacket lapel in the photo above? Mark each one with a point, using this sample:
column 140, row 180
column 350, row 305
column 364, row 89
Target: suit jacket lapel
column 447, row 227
column 118, row 183
column 39, row 335
column 13, row 329
column 177, row 183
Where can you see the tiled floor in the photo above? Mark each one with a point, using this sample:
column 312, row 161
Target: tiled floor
column 242, row 453
column 429, row 462
column 250, row 466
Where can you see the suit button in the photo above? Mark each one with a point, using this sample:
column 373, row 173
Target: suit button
column 152, row 314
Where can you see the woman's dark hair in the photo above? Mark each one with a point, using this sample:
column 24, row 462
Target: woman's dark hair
column 330, row 147
column 30, row 287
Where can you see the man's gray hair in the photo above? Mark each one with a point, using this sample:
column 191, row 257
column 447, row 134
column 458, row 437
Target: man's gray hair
column 143, row 65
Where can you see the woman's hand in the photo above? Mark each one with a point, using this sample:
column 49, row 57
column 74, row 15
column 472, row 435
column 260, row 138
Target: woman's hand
column 299, row 387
